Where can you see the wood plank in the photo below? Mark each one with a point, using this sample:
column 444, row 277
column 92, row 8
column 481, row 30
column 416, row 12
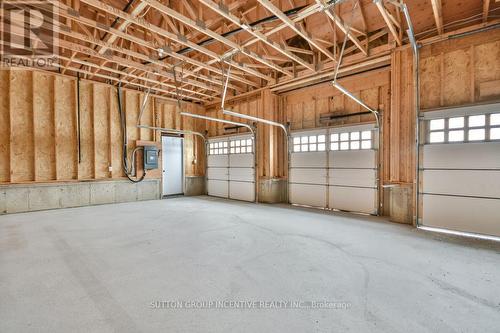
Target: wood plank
column 66, row 148
column 44, row 131
column 86, row 167
column 21, row 130
column 101, row 107
column 115, row 136
column 4, row 126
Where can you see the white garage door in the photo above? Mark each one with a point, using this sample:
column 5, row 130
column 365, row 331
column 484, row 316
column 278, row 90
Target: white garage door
column 460, row 169
column 231, row 168
column 335, row 168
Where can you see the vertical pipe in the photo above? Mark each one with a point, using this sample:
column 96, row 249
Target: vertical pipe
column 416, row 82
column 78, row 118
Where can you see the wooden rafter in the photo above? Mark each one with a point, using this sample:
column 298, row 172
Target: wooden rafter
column 177, row 38
column 342, row 26
column 306, row 12
column 218, row 9
column 437, row 9
column 65, row 13
column 383, row 11
column 296, row 28
column 486, row 9
column 200, row 27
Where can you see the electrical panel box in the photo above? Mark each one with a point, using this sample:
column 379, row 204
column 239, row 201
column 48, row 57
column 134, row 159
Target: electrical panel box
column 150, row 157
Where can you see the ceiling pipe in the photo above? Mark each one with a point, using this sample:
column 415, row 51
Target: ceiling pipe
column 187, row 114
column 357, row 100
column 256, row 119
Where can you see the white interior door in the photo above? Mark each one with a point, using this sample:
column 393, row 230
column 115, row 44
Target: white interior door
column 172, row 165
column 460, row 169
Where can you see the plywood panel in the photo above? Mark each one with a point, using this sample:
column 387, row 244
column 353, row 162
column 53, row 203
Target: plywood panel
column 116, row 136
column 47, row 149
column 21, row 129
column 147, row 118
column 430, row 82
column 456, row 76
column 86, row 165
column 44, row 131
column 65, row 128
column 487, row 64
column 101, row 130
column 4, row 127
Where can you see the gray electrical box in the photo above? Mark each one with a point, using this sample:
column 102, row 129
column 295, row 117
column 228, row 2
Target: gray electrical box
column 150, row 157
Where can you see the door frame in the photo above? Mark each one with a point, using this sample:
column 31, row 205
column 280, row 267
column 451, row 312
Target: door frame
column 180, row 136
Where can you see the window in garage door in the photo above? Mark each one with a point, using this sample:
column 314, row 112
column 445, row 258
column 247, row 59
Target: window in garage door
column 335, row 168
column 231, row 168
column 460, row 170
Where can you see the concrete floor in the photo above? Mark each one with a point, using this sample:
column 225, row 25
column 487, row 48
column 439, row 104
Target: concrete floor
column 100, row 268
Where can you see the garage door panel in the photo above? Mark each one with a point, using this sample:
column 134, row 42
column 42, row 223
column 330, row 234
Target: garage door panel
column 218, row 160
column 353, row 199
column 241, row 160
column 462, row 182
column 463, row 214
column 353, row 177
column 218, row 188
column 218, row 173
column 242, row 191
column 242, row 174
column 352, row 159
column 482, row 155
column 310, row 195
column 301, row 160
column 308, row 176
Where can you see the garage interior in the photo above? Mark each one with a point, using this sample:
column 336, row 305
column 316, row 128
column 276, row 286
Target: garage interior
column 247, row 166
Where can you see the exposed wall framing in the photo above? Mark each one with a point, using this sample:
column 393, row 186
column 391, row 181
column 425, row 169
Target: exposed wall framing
column 39, row 129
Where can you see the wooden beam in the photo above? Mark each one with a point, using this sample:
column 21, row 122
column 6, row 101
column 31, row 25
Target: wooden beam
column 306, row 12
column 383, row 12
column 219, row 9
column 486, row 9
column 437, row 9
column 176, row 38
column 341, row 25
column 124, row 24
column 296, row 28
column 66, row 12
column 200, row 27
column 108, row 58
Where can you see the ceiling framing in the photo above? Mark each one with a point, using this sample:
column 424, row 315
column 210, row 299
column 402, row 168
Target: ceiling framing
column 189, row 44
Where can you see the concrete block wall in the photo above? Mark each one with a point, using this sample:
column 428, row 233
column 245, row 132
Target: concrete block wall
column 33, row 197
